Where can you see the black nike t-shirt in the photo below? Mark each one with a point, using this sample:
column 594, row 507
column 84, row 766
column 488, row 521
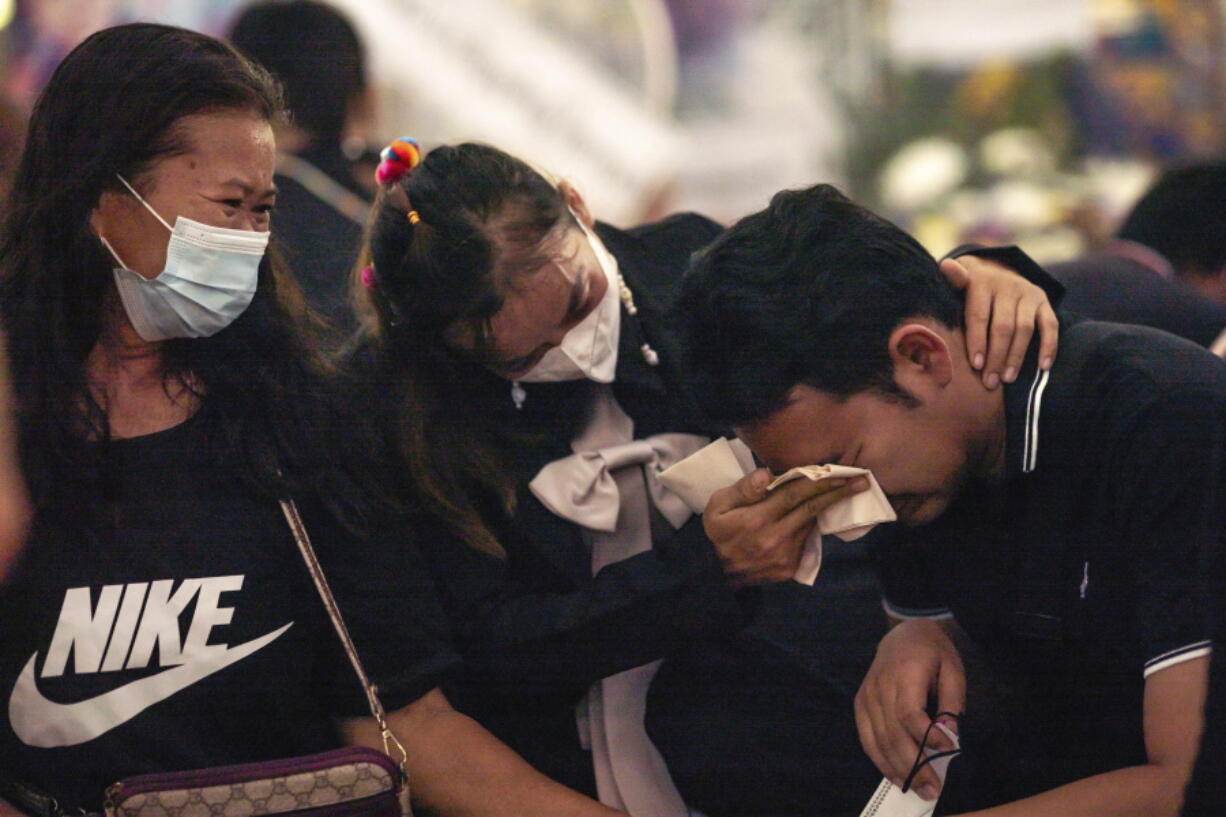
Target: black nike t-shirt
column 183, row 631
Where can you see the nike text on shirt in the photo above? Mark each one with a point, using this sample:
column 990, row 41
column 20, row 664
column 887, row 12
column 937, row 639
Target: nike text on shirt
column 119, row 632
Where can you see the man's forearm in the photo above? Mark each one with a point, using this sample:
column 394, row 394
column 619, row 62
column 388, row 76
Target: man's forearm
column 1135, row 791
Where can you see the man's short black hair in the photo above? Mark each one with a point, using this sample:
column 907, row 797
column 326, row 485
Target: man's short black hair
column 806, row 291
column 314, row 51
column 1183, row 217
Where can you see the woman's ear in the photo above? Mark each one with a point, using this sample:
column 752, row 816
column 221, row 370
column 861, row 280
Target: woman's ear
column 576, row 204
column 103, row 214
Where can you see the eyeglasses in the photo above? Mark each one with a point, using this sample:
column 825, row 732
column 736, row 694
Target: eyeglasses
column 925, row 757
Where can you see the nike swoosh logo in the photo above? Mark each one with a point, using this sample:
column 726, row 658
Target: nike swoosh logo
column 47, row 724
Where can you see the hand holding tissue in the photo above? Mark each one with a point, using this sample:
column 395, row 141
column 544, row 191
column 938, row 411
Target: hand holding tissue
column 724, row 461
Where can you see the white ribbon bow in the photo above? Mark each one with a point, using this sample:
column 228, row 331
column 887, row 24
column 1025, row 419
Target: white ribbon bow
column 581, row 487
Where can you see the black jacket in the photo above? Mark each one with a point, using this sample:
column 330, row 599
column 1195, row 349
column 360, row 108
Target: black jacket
column 537, row 629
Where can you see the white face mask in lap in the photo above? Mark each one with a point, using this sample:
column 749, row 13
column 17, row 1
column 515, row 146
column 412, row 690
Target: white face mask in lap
column 209, row 279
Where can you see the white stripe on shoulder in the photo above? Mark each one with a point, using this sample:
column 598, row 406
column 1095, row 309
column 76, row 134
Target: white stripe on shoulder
column 908, row 613
column 1197, row 649
column 1034, row 384
column 1030, row 448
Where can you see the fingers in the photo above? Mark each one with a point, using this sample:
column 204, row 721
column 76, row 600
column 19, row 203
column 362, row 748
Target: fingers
column 870, row 721
column 1049, row 335
column 802, row 489
column 834, row 491
column 885, row 716
column 777, row 504
column 782, row 542
column 800, row 519
column 894, row 751
column 978, row 315
column 891, row 718
column 1010, row 338
column 951, row 688
column 925, row 781
column 1025, row 320
column 818, row 504
column 909, row 713
column 955, row 273
column 1003, row 311
column 747, row 490
column 761, row 542
column 1000, row 337
column 951, row 698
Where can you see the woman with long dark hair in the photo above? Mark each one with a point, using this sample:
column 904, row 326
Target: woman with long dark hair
column 521, row 355
column 14, row 506
column 161, row 618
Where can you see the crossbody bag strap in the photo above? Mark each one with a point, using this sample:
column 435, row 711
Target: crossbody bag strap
column 290, row 509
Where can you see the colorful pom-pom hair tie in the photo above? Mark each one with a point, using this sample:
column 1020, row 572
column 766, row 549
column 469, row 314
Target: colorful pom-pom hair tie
column 368, row 277
column 396, row 160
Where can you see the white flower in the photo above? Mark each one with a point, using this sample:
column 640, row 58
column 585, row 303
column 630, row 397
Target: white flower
column 922, row 172
column 1016, row 152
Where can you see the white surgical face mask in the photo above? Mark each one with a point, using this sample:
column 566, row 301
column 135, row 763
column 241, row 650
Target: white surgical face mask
column 209, row 279
column 589, row 349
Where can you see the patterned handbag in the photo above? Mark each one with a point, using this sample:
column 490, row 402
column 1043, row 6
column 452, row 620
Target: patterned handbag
column 348, row 782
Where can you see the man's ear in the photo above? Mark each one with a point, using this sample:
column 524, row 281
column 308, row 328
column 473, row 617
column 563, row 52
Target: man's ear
column 576, row 203
column 920, row 355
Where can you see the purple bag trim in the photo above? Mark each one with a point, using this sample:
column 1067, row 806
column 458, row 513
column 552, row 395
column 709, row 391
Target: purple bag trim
column 384, row 804
column 244, row 772
column 379, row 805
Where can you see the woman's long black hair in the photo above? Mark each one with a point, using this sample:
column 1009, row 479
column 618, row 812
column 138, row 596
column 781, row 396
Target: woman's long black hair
column 113, row 106
column 484, row 218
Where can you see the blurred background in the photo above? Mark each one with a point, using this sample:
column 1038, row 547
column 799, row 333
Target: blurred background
column 1029, row 121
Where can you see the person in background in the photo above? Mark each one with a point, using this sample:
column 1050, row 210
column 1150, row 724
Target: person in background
column 323, row 182
column 1166, row 267
column 1061, row 522
column 168, row 398
column 523, row 360
column 14, row 505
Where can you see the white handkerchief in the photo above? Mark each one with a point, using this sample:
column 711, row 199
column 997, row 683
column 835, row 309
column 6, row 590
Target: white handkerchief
column 724, row 461
column 851, row 518
column 889, row 801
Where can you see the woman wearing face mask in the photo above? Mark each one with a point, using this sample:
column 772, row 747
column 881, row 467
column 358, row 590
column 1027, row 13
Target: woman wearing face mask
column 161, row 618
column 522, row 358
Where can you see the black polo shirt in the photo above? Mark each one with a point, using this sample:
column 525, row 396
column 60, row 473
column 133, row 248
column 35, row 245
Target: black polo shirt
column 1078, row 573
